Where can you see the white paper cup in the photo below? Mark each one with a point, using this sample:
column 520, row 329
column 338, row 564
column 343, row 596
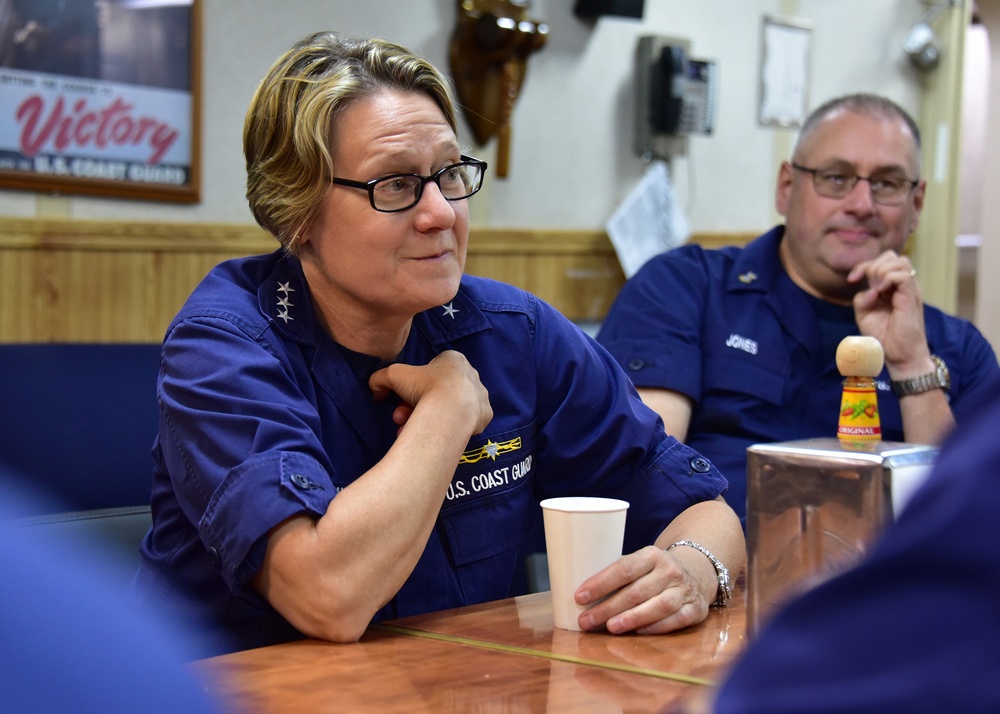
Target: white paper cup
column 583, row 535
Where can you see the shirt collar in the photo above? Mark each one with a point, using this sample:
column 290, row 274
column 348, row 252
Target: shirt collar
column 758, row 267
column 453, row 320
column 285, row 299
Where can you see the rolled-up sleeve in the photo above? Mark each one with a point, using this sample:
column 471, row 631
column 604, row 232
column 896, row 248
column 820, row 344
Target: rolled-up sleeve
column 240, row 440
column 654, row 327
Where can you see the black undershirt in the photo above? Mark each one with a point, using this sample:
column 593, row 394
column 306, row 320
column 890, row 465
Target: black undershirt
column 835, row 323
column 364, row 366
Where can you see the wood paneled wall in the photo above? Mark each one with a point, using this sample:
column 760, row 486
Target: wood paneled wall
column 105, row 281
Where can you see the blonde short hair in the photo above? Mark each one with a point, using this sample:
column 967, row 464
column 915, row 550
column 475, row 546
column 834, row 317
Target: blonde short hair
column 288, row 133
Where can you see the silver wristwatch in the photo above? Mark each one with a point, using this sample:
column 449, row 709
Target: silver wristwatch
column 725, row 592
column 940, row 378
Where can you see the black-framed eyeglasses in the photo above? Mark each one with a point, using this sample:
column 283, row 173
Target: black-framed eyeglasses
column 889, row 189
column 398, row 192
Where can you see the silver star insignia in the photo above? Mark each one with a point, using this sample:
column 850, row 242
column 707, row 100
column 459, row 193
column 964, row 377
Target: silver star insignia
column 286, row 303
column 492, row 450
column 449, row 310
column 283, row 288
column 285, row 316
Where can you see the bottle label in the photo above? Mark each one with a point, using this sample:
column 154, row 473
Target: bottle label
column 859, row 419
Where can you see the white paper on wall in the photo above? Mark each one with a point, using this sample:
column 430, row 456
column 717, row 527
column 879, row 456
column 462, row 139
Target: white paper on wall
column 648, row 222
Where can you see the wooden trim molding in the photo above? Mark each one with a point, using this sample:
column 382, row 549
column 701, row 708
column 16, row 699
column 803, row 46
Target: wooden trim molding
column 65, row 234
column 113, row 281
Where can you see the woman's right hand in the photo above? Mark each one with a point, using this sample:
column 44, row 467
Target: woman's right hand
column 448, row 377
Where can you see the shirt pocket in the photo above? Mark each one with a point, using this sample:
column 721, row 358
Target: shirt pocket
column 490, row 511
column 738, row 375
column 492, row 463
column 484, row 539
column 740, row 395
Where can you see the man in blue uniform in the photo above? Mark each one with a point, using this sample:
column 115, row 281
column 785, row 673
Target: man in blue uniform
column 911, row 628
column 734, row 347
column 350, row 430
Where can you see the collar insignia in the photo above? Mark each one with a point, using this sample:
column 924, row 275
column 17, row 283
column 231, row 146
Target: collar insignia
column 449, row 310
column 748, row 277
column 284, row 303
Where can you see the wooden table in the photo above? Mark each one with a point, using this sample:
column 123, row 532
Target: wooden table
column 502, row 656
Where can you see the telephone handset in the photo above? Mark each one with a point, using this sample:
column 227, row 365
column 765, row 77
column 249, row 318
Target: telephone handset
column 667, row 90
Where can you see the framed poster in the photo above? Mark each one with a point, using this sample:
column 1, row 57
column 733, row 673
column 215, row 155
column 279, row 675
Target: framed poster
column 101, row 97
column 784, row 72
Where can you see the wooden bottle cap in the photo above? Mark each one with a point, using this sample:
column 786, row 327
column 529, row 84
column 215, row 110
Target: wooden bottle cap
column 860, row 357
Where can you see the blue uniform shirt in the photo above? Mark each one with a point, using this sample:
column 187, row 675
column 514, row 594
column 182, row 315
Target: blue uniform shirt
column 263, row 416
column 730, row 329
column 912, row 628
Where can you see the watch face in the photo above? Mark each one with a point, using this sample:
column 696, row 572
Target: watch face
column 940, row 378
column 943, row 375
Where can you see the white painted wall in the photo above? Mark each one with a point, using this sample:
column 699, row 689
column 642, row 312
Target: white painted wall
column 571, row 159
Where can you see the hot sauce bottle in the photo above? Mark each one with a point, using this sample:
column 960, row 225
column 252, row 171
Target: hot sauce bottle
column 859, row 360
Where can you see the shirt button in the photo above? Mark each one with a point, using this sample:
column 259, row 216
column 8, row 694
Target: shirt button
column 636, row 364
column 302, row 483
column 213, row 557
column 700, row 465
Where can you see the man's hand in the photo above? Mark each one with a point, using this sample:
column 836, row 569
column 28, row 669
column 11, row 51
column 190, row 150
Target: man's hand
column 891, row 309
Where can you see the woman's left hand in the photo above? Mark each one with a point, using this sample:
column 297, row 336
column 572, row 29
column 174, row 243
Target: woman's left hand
column 651, row 591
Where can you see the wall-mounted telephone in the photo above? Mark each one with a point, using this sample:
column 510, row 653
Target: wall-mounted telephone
column 676, row 96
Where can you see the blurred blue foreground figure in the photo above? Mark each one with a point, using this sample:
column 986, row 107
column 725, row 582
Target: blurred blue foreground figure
column 912, row 629
column 68, row 640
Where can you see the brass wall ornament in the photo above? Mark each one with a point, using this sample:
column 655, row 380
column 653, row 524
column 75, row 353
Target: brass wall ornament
column 488, row 55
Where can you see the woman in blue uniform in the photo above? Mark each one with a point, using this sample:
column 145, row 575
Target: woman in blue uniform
column 350, row 430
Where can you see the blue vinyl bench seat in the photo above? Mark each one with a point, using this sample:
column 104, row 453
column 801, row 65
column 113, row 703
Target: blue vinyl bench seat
column 77, row 423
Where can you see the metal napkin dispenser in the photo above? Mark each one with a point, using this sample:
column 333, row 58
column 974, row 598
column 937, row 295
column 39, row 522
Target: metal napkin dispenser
column 815, row 506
